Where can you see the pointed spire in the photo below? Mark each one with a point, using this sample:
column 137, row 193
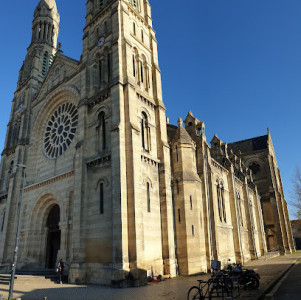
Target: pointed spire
column 180, row 122
column 46, row 23
column 46, row 8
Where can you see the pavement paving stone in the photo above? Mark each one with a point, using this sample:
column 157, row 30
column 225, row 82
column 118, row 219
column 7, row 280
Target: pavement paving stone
column 35, row 288
column 290, row 288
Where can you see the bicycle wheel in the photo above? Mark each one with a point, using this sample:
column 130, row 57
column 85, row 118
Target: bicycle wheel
column 219, row 292
column 254, row 283
column 194, row 294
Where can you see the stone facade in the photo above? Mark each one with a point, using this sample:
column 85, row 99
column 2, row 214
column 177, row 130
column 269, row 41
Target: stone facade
column 111, row 187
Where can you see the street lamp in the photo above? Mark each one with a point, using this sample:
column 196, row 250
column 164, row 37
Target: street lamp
column 13, row 272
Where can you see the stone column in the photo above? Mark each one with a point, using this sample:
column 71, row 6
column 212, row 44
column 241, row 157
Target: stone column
column 46, row 32
column 62, row 254
column 250, row 220
column 77, row 270
column 42, row 31
column 235, row 216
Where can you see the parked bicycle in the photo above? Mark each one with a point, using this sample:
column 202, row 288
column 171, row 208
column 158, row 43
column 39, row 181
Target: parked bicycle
column 219, row 286
column 245, row 277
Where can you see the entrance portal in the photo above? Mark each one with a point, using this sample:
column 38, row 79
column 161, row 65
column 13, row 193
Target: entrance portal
column 53, row 238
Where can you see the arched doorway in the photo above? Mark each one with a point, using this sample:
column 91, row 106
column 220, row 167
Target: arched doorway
column 53, row 237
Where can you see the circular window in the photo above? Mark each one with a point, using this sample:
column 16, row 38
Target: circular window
column 60, row 130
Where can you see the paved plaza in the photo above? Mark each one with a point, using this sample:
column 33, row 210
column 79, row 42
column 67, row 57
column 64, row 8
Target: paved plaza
column 35, row 288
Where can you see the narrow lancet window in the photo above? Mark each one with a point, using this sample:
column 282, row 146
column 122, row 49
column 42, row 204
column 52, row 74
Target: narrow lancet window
column 102, row 130
column 145, row 132
column 148, row 197
column 219, row 201
column 3, row 219
column 101, row 199
column 45, row 63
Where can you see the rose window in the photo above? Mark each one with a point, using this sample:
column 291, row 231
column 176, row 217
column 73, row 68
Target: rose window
column 60, row 130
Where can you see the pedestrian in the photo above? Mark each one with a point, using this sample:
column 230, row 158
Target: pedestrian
column 60, row 270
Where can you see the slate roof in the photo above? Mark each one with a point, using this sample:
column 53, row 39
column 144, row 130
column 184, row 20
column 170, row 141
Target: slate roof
column 250, row 145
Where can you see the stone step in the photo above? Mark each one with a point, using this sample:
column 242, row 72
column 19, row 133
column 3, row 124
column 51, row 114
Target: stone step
column 40, row 278
column 5, row 279
column 36, row 272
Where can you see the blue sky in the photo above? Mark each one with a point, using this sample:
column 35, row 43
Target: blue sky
column 235, row 64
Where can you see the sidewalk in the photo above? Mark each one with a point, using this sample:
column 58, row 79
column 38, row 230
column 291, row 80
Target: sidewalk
column 35, row 288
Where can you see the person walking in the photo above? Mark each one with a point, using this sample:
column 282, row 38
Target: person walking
column 60, row 269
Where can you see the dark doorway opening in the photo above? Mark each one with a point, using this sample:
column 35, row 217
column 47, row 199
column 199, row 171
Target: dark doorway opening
column 53, row 238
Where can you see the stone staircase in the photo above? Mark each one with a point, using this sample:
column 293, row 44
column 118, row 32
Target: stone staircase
column 50, row 274
column 37, row 274
column 5, row 279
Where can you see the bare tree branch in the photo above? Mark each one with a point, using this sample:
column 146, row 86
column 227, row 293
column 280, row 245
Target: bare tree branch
column 296, row 194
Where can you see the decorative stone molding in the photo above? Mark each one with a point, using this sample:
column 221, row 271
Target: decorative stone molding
column 218, row 166
column 10, row 151
column 48, row 181
column 145, row 100
column 98, row 99
column 239, row 182
column 99, row 161
column 150, row 161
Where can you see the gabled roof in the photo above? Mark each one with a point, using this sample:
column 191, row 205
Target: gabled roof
column 179, row 133
column 250, row 145
column 71, row 67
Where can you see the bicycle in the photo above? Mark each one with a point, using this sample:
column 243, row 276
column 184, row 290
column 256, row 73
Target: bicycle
column 219, row 286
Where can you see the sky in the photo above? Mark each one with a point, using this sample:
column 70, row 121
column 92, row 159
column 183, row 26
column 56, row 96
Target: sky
column 236, row 64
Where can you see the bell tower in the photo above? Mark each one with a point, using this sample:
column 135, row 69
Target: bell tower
column 40, row 54
column 123, row 86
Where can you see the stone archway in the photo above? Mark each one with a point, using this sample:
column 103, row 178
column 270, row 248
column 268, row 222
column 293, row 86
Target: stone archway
column 53, row 237
column 44, row 237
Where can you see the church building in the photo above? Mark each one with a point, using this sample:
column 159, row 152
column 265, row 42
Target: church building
column 110, row 186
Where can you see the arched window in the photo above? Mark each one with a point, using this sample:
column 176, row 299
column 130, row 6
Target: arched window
column 105, row 27
column 142, row 72
column 135, row 3
column 11, row 167
column 134, row 66
column 145, row 132
column 190, row 202
column 223, row 203
column 101, row 198
column 134, row 28
column 109, row 67
column 177, row 153
column 100, row 3
column 219, row 200
column 99, row 72
column 148, row 197
column 3, row 219
column 102, row 131
column 239, row 209
column 142, row 36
